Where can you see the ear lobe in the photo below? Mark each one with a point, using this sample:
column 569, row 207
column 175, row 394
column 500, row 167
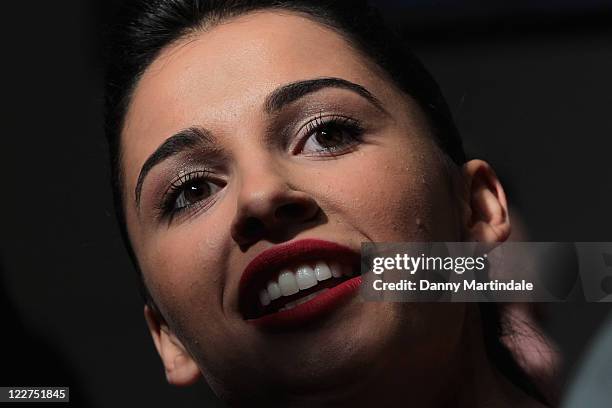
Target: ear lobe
column 180, row 368
column 487, row 219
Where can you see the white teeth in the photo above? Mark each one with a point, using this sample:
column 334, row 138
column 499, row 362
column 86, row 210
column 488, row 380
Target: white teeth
column 322, row 271
column 305, row 277
column 291, row 305
column 274, row 290
column 302, row 300
column 264, row 298
column 287, row 283
column 306, row 298
column 336, row 269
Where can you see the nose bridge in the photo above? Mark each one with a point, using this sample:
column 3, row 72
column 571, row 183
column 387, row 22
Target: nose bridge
column 264, row 190
column 260, row 178
column 267, row 205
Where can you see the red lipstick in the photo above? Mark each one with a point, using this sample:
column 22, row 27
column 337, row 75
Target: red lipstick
column 267, row 265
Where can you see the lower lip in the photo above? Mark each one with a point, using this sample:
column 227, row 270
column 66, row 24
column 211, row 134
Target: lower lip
column 312, row 310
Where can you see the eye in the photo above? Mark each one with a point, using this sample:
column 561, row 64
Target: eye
column 190, row 190
column 331, row 135
column 193, row 192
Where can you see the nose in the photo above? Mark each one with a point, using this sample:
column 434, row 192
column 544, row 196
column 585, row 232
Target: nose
column 269, row 208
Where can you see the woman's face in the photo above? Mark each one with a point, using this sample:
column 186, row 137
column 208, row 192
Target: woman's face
column 266, row 131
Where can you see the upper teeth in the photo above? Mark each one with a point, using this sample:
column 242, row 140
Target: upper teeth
column 291, row 281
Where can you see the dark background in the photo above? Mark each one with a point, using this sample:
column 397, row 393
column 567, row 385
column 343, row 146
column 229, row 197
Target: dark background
column 531, row 90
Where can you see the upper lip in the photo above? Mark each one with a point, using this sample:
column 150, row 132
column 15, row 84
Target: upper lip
column 266, row 266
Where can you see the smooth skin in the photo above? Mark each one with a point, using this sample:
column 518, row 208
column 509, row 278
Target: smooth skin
column 393, row 184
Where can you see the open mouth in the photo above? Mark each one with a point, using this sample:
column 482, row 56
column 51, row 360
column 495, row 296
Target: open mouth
column 297, row 281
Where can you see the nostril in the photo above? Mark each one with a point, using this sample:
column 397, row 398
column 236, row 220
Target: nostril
column 271, row 217
column 290, row 211
column 252, row 227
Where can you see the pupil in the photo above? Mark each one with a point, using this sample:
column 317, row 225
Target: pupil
column 329, row 136
column 195, row 192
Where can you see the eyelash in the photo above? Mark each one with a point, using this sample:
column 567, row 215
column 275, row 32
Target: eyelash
column 352, row 128
column 178, row 187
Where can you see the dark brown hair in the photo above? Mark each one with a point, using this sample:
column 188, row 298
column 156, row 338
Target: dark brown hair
column 145, row 27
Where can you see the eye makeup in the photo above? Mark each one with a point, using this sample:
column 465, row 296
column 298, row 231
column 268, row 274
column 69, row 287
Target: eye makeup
column 182, row 186
column 334, row 111
column 328, row 135
column 320, row 126
column 189, row 192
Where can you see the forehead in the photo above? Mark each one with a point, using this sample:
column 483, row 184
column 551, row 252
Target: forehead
column 221, row 76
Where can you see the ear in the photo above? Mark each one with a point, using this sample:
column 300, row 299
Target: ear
column 180, row 368
column 486, row 218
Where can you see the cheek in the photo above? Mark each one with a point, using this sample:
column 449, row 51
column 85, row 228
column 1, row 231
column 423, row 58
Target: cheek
column 395, row 194
column 184, row 271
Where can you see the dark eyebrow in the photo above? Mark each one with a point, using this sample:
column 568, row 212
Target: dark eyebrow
column 286, row 94
column 184, row 140
column 280, row 97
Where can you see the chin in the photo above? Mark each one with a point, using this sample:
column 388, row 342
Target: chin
column 348, row 350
